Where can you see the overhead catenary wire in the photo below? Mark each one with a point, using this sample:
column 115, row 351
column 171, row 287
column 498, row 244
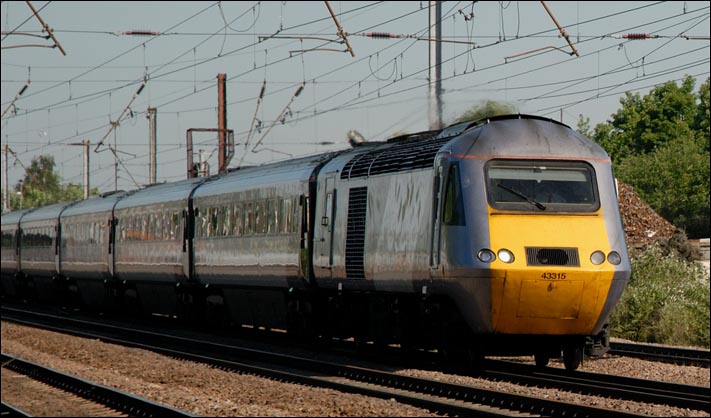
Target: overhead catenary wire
column 115, row 123
column 280, row 117
column 344, row 104
column 254, row 119
column 17, row 96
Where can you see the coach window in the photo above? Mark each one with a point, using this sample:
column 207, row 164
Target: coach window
column 206, row 223
column 238, row 221
column 271, row 217
column 226, row 220
column 249, row 218
column 132, row 228
column 91, row 233
column 148, row 226
column 217, row 221
column 199, row 223
column 137, row 227
column 6, row 239
column 453, row 204
column 144, row 226
column 162, row 227
column 284, row 211
column 167, row 226
column 259, row 218
column 154, row 227
column 212, row 222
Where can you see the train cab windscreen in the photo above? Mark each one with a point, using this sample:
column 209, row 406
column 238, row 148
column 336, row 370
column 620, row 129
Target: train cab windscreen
column 550, row 186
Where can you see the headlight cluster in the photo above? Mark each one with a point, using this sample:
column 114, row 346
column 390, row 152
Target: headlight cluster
column 598, row 257
column 488, row 256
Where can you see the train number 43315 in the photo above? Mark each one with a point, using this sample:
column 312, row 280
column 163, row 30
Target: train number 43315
column 553, row 276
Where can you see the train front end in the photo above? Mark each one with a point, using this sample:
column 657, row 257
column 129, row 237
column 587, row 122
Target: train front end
column 552, row 250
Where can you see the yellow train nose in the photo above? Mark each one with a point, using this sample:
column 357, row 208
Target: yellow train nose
column 525, row 302
column 552, row 284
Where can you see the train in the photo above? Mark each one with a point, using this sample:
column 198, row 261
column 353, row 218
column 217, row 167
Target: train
column 495, row 237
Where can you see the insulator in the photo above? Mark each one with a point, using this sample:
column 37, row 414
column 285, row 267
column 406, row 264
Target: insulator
column 141, row 33
column 380, row 35
column 637, row 36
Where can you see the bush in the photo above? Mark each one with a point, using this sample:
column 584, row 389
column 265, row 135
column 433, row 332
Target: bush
column 667, row 301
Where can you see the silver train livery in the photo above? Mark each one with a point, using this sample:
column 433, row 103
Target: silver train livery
column 496, row 237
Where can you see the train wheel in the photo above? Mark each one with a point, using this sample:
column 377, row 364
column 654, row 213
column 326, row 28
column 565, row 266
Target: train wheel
column 572, row 356
column 542, row 359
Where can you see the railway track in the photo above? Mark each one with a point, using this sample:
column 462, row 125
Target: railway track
column 673, row 355
column 103, row 401
column 9, row 411
column 436, row 396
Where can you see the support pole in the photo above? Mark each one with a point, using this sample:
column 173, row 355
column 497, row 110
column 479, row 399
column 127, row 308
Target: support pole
column 435, row 68
column 152, row 137
column 221, row 122
column 86, row 169
column 6, row 195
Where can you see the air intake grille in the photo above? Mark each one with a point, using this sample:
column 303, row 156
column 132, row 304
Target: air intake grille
column 355, row 232
column 537, row 256
column 405, row 156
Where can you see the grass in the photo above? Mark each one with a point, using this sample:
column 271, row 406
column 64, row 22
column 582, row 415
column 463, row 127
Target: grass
column 666, row 301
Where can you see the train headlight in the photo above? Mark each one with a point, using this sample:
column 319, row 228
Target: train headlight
column 614, row 258
column 486, row 256
column 506, row 256
column 597, row 257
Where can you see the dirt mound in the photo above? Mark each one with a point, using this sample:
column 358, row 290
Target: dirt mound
column 643, row 226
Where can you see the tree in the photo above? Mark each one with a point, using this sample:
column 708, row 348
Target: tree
column 486, row 109
column 41, row 186
column 644, row 123
column 674, row 180
column 701, row 121
column 659, row 144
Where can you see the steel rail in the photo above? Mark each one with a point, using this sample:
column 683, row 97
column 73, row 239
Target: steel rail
column 675, row 355
column 434, row 395
column 113, row 398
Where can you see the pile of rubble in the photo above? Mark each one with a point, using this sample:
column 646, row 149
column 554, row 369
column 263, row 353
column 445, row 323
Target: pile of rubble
column 643, row 226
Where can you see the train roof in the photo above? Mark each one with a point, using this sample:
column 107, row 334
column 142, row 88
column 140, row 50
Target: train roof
column 525, row 136
column 102, row 203
column 160, row 193
column 285, row 172
column 511, row 135
column 13, row 217
column 49, row 212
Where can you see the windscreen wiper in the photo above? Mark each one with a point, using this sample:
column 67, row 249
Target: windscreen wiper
column 539, row 205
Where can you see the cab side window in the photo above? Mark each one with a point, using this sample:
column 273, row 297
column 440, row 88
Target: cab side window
column 453, row 203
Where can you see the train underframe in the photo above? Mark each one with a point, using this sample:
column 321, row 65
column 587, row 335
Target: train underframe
column 411, row 321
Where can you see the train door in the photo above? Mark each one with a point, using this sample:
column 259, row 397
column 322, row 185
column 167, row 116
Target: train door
column 437, row 198
column 111, row 245
column 187, row 219
column 328, row 217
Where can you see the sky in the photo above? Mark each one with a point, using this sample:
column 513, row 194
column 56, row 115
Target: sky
column 111, row 61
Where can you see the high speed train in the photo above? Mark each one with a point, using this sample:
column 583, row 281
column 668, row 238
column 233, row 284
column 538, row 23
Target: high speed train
column 500, row 236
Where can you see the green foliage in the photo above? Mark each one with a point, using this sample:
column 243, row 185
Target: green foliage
column 674, row 180
column 41, row 187
column 701, row 121
column 659, row 144
column 486, row 109
column 644, row 123
column 666, row 301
